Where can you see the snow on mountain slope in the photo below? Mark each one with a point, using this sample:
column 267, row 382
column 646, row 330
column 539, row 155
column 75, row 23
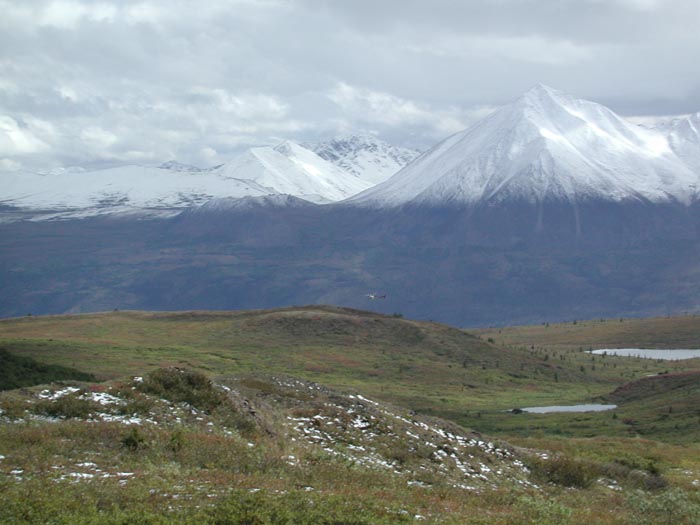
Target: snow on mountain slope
column 365, row 155
column 121, row 188
column 684, row 138
column 179, row 166
column 545, row 145
column 286, row 169
column 226, row 204
column 291, row 169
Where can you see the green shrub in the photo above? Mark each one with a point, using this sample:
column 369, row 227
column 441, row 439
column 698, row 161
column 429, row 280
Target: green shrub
column 541, row 511
column 261, row 508
column 178, row 385
column 67, row 406
column 133, row 440
column 672, row 507
column 565, row 471
column 12, row 408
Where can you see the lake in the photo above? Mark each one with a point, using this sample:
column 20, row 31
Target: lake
column 650, row 353
column 569, row 408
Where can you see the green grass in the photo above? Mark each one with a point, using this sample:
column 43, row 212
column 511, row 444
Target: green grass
column 188, row 471
column 472, row 379
column 238, row 469
column 426, row 366
column 655, row 332
column 20, row 371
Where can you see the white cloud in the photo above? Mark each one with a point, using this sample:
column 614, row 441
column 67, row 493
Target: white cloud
column 245, row 106
column 9, row 165
column 96, row 81
column 384, row 108
column 534, row 48
column 98, row 138
column 18, row 140
column 67, row 14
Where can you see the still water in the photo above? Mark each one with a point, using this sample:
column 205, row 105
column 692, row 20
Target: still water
column 667, row 355
column 569, row 408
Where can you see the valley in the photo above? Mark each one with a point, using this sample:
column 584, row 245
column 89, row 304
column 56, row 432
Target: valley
column 294, row 262
column 315, row 404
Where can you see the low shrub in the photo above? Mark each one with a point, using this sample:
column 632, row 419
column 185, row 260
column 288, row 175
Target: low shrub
column 261, row 508
column 178, row 385
column 68, row 406
column 542, row 511
column 133, row 440
column 672, row 507
column 565, row 471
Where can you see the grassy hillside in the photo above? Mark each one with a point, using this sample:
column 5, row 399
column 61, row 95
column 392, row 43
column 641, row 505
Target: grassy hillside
column 18, row 371
column 425, row 366
column 174, row 447
column 328, row 415
column 657, row 332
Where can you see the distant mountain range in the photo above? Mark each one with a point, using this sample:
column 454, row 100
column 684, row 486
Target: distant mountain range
column 285, row 169
column 551, row 208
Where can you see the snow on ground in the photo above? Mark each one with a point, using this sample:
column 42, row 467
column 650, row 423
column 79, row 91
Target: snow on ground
column 372, row 435
column 352, row 428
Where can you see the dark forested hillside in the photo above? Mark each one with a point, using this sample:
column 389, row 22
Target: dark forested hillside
column 489, row 265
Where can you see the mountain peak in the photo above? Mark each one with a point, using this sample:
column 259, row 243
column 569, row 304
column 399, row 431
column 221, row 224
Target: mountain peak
column 288, row 147
column 541, row 98
column 174, row 165
column 292, row 169
column 546, row 145
column 365, row 155
column 540, row 90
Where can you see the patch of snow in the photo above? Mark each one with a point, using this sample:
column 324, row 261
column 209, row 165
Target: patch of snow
column 102, row 398
column 48, row 394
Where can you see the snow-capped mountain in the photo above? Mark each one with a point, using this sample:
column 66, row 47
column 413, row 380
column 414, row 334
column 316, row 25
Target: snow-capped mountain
column 546, row 145
column 294, row 170
column 174, row 165
column 121, row 189
column 365, row 155
column 285, row 169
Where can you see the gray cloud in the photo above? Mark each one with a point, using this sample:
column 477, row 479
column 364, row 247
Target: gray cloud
column 105, row 82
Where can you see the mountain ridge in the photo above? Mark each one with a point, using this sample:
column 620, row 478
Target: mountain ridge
column 74, row 193
column 364, row 155
column 545, row 145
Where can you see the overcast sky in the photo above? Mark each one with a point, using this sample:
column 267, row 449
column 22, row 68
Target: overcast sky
column 109, row 82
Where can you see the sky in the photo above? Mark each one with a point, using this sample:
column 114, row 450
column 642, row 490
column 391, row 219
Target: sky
column 97, row 83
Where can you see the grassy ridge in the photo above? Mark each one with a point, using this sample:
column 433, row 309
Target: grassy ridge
column 20, row 371
column 656, row 332
column 425, row 366
column 634, row 465
column 203, row 466
column 473, row 379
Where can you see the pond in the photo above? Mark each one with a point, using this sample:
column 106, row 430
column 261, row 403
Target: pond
column 569, row 408
column 649, row 353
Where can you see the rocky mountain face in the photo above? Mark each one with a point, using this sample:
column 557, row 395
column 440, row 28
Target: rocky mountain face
column 365, row 155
